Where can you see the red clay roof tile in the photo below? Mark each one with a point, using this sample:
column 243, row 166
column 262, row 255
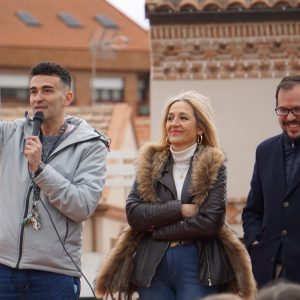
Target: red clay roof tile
column 54, row 33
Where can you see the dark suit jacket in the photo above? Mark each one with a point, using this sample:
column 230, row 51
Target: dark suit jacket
column 272, row 214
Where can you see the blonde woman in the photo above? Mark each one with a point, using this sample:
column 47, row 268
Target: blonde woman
column 178, row 247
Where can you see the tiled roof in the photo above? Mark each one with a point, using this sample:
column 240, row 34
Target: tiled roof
column 111, row 119
column 201, row 5
column 98, row 116
column 54, row 33
column 142, row 128
column 120, row 118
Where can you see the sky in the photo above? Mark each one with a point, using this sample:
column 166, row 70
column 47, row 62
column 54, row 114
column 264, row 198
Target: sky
column 135, row 9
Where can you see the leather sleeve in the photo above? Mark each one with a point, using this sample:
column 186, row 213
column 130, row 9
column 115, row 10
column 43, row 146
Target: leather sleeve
column 207, row 222
column 147, row 216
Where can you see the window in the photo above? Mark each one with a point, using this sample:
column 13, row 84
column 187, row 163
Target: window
column 14, row 89
column 143, row 95
column 69, row 20
column 108, row 89
column 14, row 95
column 27, row 19
column 106, row 22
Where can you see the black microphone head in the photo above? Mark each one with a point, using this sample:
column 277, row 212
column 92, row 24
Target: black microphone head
column 38, row 119
column 38, row 116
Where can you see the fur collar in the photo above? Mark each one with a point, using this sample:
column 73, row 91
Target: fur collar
column 151, row 163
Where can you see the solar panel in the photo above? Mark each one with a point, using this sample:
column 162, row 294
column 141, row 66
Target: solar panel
column 106, row 22
column 69, row 20
column 27, row 18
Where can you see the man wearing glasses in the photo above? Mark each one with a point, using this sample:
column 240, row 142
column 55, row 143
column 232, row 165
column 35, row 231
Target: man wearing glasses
column 271, row 218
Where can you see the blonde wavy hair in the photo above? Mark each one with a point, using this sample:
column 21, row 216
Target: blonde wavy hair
column 203, row 114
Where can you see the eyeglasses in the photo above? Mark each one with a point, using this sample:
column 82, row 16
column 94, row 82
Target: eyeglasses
column 280, row 111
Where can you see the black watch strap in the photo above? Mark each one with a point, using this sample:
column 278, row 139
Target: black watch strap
column 40, row 169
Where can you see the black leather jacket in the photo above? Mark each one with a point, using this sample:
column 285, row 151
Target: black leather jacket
column 162, row 221
column 155, row 218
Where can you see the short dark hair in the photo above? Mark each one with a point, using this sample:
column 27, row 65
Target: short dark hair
column 287, row 83
column 53, row 69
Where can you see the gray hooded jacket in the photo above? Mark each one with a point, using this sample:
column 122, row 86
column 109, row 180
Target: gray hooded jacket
column 71, row 185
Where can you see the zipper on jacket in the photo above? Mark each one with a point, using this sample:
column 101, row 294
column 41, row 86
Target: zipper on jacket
column 152, row 275
column 27, row 208
column 22, row 228
column 27, row 203
column 67, row 230
column 208, row 265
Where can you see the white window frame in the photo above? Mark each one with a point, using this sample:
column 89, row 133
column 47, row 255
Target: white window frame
column 13, row 81
column 111, row 83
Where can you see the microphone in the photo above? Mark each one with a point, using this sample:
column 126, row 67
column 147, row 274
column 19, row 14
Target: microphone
column 38, row 119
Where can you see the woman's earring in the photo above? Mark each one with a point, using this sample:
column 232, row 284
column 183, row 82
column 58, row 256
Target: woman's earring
column 199, row 139
column 167, row 141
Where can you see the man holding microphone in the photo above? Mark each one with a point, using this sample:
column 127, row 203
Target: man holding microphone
column 52, row 171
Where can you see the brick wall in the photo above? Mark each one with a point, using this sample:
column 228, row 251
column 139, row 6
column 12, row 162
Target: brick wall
column 223, row 51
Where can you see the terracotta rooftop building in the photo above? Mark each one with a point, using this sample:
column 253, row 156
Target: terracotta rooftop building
column 107, row 53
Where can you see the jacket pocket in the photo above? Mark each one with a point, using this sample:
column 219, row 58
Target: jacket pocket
column 148, row 255
column 214, row 264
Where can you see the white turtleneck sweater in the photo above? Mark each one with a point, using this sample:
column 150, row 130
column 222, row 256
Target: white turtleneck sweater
column 181, row 164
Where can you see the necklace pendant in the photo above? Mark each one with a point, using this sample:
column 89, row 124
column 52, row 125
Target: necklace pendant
column 181, row 176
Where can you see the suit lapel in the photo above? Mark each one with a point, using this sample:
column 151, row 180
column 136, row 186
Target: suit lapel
column 295, row 180
column 295, row 183
column 278, row 168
